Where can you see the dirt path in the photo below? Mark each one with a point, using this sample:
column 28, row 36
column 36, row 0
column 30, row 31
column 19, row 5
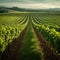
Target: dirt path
column 11, row 52
column 49, row 53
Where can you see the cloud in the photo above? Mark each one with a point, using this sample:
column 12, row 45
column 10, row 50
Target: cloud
column 33, row 6
column 31, row 3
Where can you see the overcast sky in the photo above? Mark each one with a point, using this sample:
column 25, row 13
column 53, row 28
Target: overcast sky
column 35, row 4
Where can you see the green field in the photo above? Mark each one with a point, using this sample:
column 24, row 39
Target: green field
column 27, row 34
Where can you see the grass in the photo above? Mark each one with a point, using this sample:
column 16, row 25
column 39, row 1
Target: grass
column 30, row 46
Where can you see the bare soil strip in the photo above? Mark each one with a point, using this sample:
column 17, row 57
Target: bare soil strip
column 49, row 54
column 11, row 52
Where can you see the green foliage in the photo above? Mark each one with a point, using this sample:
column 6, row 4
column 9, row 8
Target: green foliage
column 30, row 48
column 5, row 33
column 51, row 35
column 49, row 27
column 10, row 28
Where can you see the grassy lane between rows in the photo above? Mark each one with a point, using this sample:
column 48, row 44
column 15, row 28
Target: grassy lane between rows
column 30, row 48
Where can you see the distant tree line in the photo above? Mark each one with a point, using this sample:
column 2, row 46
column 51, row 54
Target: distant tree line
column 2, row 11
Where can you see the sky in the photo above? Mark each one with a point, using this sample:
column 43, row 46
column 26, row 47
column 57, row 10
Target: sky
column 34, row 4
